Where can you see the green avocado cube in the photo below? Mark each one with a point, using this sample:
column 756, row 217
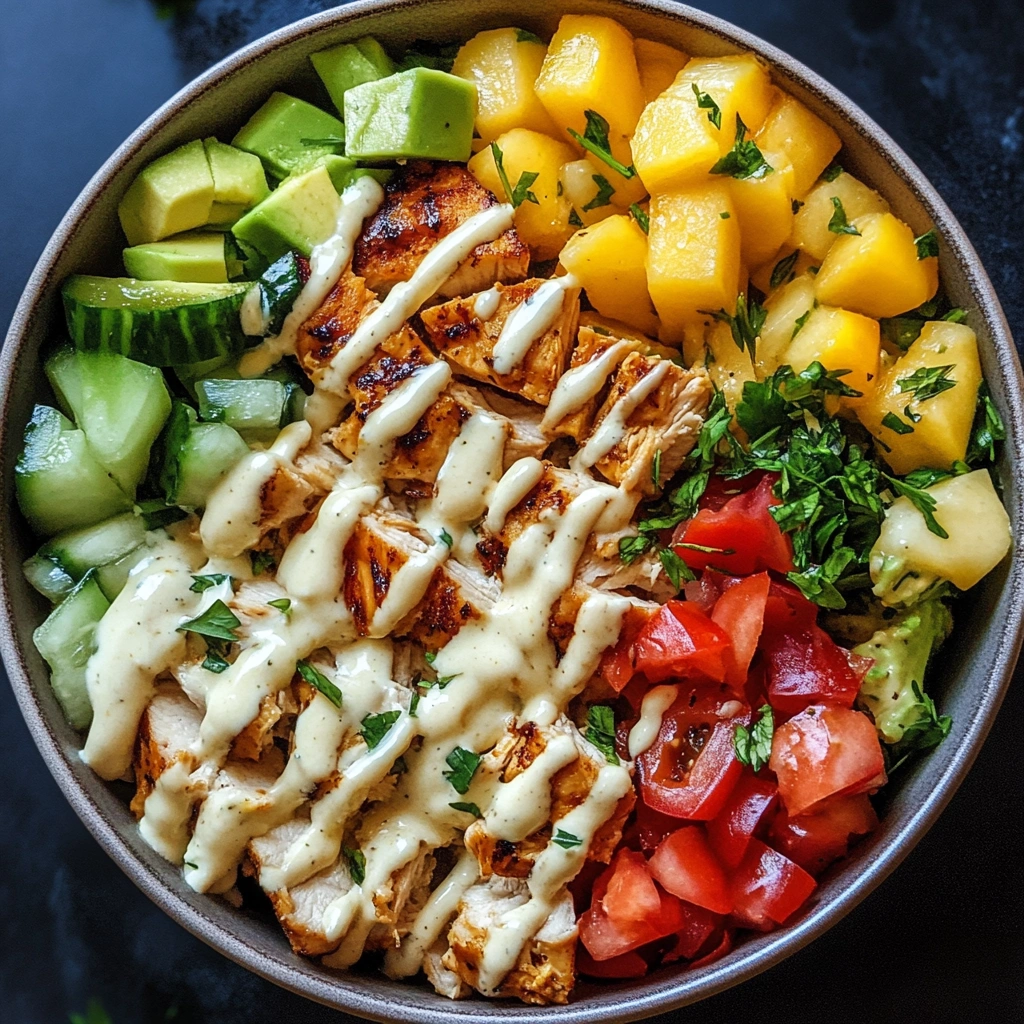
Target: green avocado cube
column 299, row 214
column 239, row 182
column 192, row 256
column 343, row 171
column 172, row 194
column 417, row 114
column 343, row 67
column 289, row 135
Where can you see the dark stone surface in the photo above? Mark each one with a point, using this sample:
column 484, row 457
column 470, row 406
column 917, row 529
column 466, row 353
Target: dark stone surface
column 940, row 941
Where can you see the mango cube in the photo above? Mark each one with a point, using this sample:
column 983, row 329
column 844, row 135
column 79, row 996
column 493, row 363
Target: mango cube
column 609, row 259
column 503, row 65
column 729, row 366
column 765, row 209
column 784, row 307
column 761, row 276
column 940, row 436
column 739, row 85
column 810, row 225
column 658, row 64
column 543, row 225
column 839, row 340
column 693, row 255
column 877, row 272
column 808, row 143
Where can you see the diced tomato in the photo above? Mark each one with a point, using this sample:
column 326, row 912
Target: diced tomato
column 740, row 612
column 625, row 965
column 809, row 667
column 652, row 826
column 705, row 590
column 719, row 490
column 679, row 640
column 742, row 534
column 815, row 840
column 684, row 865
column 616, row 667
column 691, row 768
column 787, row 610
column 731, row 830
column 698, row 926
column 631, row 892
column 822, row 752
column 767, row 888
column 606, row 937
column 717, row 951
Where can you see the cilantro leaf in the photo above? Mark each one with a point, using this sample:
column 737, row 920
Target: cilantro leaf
column 601, row 730
column 463, row 764
column 921, row 500
column 201, row 584
column 754, row 746
column 930, row 729
column 466, row 806
column 927, row 244
column 595, row 140
column 430, row 657
column 376, row 727
column 574, row 218
column 895, row 424
column 799, row 322
column 838, row 224
column 641, row 218
column 745, row 325
column 566, row 840
column 833, row 172
column 988, row 429
column 218, row 621
column 603, row 196
column 631, row 548
column 261, row 562
column 521, row 193
column 215, row 662
column 445, row 538
column 675, row 568
column 317, row 679
column 282, row 604
column 783, row 270
column 524, row 36
column 744, row 160
column 927, row 381
column 705, row 102
column 424, row 53
column 356, row 863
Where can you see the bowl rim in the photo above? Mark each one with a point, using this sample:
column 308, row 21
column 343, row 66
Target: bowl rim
column 655, row 996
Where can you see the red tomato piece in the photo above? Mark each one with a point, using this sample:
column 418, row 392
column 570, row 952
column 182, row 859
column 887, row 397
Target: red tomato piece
column 691, row 768
column 631, row 892
column 768, row 888
column 616, row 667
column 787, row 610
column 822, row 752
column 684, row 865
column 742, row 533
column 705, row 591
column 698, row 926
column 730, row 832
column 723, row 946
column 809, row 667
column 740, row 612
column 679, row 640
column 816, row 840
column 652, row 826
column 625, row 965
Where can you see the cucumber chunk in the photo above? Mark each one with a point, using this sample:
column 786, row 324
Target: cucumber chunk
column 111, row 548
column 121, row 405
column 60, row 483
column 162, row 323
column 48, row 578
column 67, row 639
column 243, row 404
column 280, row 285
column 196, row 456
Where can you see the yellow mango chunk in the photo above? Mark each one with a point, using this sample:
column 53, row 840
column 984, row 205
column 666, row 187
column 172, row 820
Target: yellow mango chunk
column 809, row 143
column 609, row 259
column 658, row 64
column 504, row 67
column 544, row 226
column 762, row 275
column 784, row 306
column 810, row 225
column 877, row 272
column 590, row 65
column 765, row 209
column 729, row 366
column 693, row 255
column 839, row 340
column 739, row 85
column 581, row 189
column 940, row 437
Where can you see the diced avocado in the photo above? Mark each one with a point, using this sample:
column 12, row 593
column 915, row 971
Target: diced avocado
column 172, row 194
column 417, row 114
column 192, row 256
column 275, row 134
column 342, row 67
column 901, row 652
column 239, row 182
column 344, row 170
column 299, row 214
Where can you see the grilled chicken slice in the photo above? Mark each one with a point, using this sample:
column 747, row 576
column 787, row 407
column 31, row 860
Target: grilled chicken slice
column 544, row 972
column 169, row 727
column 399, row 901
column 466, row 339
column 423, row 203
column 253, row 740
column 325, row 333
column 445, row 982
column 667, row 420
column 525, row 436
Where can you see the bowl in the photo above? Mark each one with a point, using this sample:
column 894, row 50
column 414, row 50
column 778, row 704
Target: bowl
column 978, row 663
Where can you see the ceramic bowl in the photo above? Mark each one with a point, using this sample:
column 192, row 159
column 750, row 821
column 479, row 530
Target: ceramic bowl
column 977, row 663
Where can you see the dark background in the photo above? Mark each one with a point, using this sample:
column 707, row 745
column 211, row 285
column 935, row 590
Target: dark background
column 941, row 940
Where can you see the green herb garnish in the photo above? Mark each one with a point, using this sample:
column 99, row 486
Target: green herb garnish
column 601, row 730
column 595, row 140
column 705, row 102
column 754, row 746
column 641, row 218
column 838, row 224
column 463, row 764
column 603, row 196
column 521, row 193
column 317, row 679
column 376, row 727
column 744, row 160
column 566, row 840
column 927, row 244
column 356, row 863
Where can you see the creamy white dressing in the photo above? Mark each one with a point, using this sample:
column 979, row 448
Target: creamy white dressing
column 656, row 702
column 579, row 384
column 520, row 478
column 529, row 321
column 486, row 303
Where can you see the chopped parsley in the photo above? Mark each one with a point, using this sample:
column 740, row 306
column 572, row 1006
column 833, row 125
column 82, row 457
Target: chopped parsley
column 927, row 244
column 927, row 732
column 376, row 727
column 356, row 863
column 921, row 500
column 725, row 215
column 783, row 270
column 215, row 661
column 467, row 807
column 595, row 140
column 218, row 622
column 261, row 562
column 895, row 424
column 927, row 382
column 603, row 196
column 795, row 206
column 833, row 172
column 523, row 36
column 200, row 584
column 838, row 224
column 744, row 160
column 521, row 193
column 445, row 538
column 414, row 703
column 705, row 102
column 317, row 679
column 574, row 218
column 988, row 429
column 601, row 730
column 462, row 764
column 745, row 325
column 754, row 746
column 675, row 568
column 640, row 217
column 799, row 323
column 430, row 657
column 424, row 53
column 282, row 604
column 566, row 840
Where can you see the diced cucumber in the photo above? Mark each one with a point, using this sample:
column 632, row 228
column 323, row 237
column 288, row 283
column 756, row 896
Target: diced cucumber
column 120, row 403
column 162, row 323
column 67, row 639
column 157, row 514
column 60, row 483
column 280, row 285
column 196, row 456
column 48, row 578
column 196, row 256
column 189, row 373
column 243, row 404
column 114, row 575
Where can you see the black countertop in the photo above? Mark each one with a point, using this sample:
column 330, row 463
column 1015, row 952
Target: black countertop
column 941, row 940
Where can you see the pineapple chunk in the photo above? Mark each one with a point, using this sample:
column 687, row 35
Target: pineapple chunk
column 728, row 366
column 784, row 306
column 839, row 340
column 908, row 557
column 590, row 65
column 809, row 143
column 503, row 67
column 580, row 188
column 940, row 437
column 877, row 272
column 810, row 225
column 658, row 65
column 761, row 276
column 544, row 225
column 609, row 261
column 765, row 209
column 739, row 85
column 693, row 255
